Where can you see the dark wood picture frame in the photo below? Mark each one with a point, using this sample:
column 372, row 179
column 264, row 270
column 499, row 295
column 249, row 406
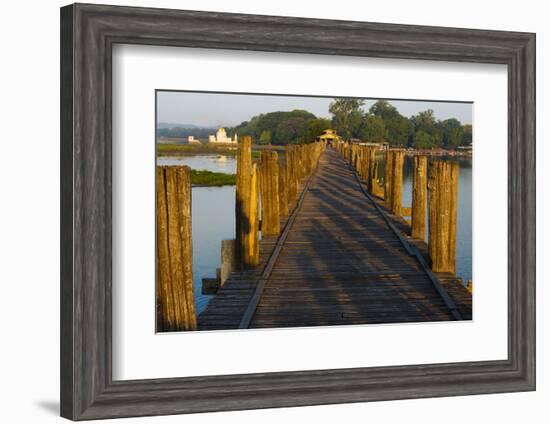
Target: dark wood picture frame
column 88, row 33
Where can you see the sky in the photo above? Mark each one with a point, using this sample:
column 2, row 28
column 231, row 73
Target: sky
column 221, row 109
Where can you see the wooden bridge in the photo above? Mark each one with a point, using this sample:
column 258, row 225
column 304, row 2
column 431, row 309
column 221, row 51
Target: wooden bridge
column 341, row 258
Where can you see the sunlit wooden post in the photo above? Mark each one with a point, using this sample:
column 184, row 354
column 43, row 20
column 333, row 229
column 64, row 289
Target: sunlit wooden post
column 228, row 264
column 373, row 165
column 175, row 297
column 360, row 160
column 418, row 219
column 366, row 164
column 397, row 182
column 290, row 174
column 388, row 179
column 252, row 239
column 269, row 190
column 304, row 159
column 442, row 209
column 244, row 203
column 283, row 190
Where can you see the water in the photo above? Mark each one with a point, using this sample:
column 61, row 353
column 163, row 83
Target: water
column 213, row 212
column 213, row 218
column 213, row 163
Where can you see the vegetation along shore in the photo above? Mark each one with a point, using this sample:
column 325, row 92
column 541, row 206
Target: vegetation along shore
column 381, row 123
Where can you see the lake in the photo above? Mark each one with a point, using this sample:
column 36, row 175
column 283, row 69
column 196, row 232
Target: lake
column 213, row 212
column 213, row 217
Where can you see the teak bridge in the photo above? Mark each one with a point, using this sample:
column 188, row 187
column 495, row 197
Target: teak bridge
column 334, row 247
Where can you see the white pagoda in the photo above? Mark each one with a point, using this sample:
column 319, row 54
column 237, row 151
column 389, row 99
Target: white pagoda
column 221, row 137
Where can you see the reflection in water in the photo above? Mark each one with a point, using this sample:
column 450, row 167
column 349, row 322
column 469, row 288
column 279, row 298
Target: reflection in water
column 212, row 163
column 213, row 212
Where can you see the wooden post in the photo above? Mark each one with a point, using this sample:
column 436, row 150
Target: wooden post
column 269, row 189
column 442, row 208
column 243, row 203
column 397, row 182
column 252, row 242
column 290, row 174
column 371, row 180
column 366, row 164
column 388, row 179
column 175, row 296
column 360, row 159
column 283, row 190
column 418, row 220
column 453, row 211
column 228, row 260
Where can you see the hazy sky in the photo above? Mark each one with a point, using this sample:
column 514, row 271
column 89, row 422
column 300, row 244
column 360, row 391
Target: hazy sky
column 212, row 109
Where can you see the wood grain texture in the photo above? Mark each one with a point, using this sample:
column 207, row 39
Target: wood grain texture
column 442, row 209
column 269, row 189
column 88, row 33
column 174, row 266
column 418, row 218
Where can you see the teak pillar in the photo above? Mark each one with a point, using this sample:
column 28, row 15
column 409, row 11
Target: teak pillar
column 269, row 189
column 246, row 203
column 373, row 165
column 388, row 179
column 442, row 208
column 292, row 189
column 228, row 263
column 252, row 240
column 418, row 219
column 397, row 182
column 283, row 190
column 175, row 297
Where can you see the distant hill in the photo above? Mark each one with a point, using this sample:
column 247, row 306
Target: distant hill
column 170, row 130
column 164, row 125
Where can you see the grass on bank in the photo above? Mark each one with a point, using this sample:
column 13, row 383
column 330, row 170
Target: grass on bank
column 168, row 149
column 211, row 179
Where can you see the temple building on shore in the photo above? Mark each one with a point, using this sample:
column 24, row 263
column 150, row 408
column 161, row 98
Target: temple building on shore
column 221, row 137
column 330, row 137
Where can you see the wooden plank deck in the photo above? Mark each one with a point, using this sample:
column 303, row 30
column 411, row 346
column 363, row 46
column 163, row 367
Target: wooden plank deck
column 340, row 264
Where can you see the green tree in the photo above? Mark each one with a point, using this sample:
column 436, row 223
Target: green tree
column 452, row 133
column 347, row 116
column 397, row 126
column 270, row 123
column 384, row 110
column 423, row 140
column 398, row 130
column 466, row 135
column 373, row 129
column 425, row 122
column 315, row 128
column 265, row 137
column 290, row 130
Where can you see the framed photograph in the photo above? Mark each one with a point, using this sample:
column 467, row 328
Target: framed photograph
column 268, row 211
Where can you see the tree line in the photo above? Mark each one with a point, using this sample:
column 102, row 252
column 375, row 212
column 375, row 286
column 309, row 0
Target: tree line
column 381, row 123
column 281, row 128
